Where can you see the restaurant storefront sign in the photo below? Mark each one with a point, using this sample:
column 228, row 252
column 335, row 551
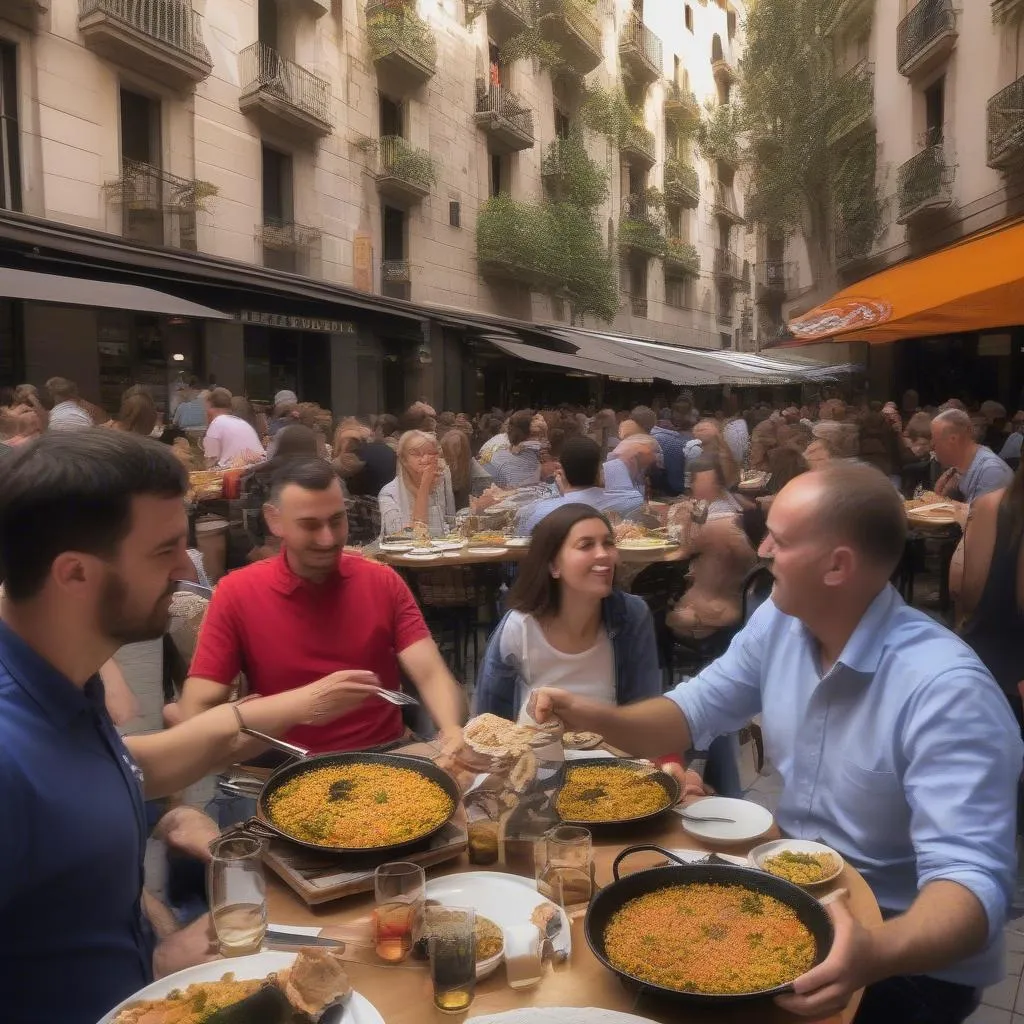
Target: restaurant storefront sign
column 297, row 323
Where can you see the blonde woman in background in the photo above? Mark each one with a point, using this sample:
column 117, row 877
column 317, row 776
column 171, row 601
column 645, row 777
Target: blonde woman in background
column 421, row 491
column 712, row 442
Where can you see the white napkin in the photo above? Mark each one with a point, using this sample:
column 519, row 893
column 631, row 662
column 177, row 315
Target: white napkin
column 560, row 1015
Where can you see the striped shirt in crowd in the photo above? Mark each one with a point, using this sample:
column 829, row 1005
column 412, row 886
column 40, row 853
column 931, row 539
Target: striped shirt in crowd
column 511, row 469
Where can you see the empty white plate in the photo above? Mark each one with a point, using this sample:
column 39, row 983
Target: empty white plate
column 487, row 551
column 750, row 820
column 560, row 1015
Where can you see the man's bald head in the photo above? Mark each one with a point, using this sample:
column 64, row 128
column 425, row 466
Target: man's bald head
column 856, row 504
column 954, row 421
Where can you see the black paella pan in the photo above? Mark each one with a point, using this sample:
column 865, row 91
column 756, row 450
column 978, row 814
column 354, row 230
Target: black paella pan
column 623, row 889
column 263, row 824
column 667, row 782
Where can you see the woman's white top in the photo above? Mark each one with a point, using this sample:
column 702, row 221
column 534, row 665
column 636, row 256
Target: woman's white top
column 589, row 674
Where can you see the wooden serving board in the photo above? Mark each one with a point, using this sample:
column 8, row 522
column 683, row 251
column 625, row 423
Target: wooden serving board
column 321, row 877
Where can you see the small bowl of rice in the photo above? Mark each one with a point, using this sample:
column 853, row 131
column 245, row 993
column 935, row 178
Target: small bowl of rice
column 800, row 861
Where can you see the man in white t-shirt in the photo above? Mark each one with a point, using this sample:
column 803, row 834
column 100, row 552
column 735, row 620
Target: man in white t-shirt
column 66, row 413
column 227, row 436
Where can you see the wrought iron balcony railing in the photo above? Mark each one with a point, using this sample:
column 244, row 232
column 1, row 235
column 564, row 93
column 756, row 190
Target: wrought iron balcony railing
column 505, row 18
column 1006, row 128
column 162, row 37
column 640, row 50
column 403, row 170
column 682, row 185
column 286, row 89
column 925, row 35
column 640, row 227
column 724, row 204
column 924, row 184
column 681, row 259
column 505, row 116
column 728, row 266
column 774, row 278
column 638, row 306
column 401, row 39
column 681, row 106
column 636, row 142
column 574, row 26
column 1006, row 10
column 856, row 89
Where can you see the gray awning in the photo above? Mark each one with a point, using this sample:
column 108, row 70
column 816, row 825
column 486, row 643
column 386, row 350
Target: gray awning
column 80, row 291
column 580, row 363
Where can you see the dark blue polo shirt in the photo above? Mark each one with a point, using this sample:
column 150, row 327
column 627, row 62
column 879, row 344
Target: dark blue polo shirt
column 73, row 940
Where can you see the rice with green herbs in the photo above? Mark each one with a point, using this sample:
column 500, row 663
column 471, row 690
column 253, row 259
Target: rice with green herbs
column 359, row 806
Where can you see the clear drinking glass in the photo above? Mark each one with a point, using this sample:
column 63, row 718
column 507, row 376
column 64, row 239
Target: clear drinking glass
column 565, row 867
column 400, row 889
column 452, row 947
column 238, row 894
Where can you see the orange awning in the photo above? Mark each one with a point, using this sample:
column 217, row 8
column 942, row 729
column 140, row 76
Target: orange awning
column 975, row 285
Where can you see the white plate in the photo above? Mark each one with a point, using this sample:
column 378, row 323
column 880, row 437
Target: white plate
column 518, row 542
column 395, row 547
column 360, row 1010
column 448, row 545
column 759, row 854
column 751, row 820
column 487, row 551
column 560, row 1015
column 638, row 545
column 420, row 553
column 507, row 900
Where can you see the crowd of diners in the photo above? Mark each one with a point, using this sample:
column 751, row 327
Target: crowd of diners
column 898, row 742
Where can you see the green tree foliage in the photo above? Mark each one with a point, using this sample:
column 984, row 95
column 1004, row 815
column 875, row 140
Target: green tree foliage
column 795, row 106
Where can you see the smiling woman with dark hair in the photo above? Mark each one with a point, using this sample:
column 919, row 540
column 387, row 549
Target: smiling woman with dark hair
column 567, row 626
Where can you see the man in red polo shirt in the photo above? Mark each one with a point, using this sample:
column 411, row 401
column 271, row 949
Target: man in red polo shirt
column 314, row 613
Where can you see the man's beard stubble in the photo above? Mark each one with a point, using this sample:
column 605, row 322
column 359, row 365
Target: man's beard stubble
column 122, row 622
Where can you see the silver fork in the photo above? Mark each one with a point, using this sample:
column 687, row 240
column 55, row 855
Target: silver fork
column 394, row 696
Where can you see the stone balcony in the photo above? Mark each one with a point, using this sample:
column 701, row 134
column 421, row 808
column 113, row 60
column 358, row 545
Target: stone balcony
column 505, row 118
column 405, row 174
column 924, row 184
column 1006, row 129
column 283, row 97
column 401, row 42
column 682, row 185
column 640, row 51
column 162, row 39
column 573, row 25
column 926, row 37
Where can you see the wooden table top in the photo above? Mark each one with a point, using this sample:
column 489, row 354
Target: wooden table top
column 403, row 996
column 470, row 556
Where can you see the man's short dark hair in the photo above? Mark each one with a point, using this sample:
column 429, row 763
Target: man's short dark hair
column 309, row 474
column 73, row 492
column 860, row 506
column 581, row 461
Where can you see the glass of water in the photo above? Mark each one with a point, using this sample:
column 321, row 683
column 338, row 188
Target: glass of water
column 238, row 894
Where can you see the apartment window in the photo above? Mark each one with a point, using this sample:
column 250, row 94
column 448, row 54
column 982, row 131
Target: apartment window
column 935, row 111
column 278, row 210
column 562, row 124
column 393, row 252
column 677, row 69
column 724, row 234
column 391, row 119
column 688, row 17
column 494, row 61
column 10, row 141
column 268, row 23
column 725, row 340
column 677, row 293
column 142, row 219
column 730, row 24
column 500, row 175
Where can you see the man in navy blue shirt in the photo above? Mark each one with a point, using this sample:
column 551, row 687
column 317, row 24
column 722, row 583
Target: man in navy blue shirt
column 92, row 540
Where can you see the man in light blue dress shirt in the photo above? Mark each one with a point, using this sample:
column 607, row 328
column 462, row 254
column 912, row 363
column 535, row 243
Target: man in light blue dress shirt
column 581, row 483
column 893, row 741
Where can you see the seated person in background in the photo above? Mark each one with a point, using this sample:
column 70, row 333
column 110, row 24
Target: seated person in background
column 311, row 613
column 707, row 483
column 1011, row 447
column 567, row 625
column 630, row 463
column 580, row 482
column 421, row 492
column 670, row 479
column 836, row 662
column 820, row 452
column 519, row 463
column 469, row 478
column 228, row 437
column 971, row 469
column 712, row 442
column 784, row 463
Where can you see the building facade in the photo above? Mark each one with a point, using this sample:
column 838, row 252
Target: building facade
column 362, row 146
column 936, row 108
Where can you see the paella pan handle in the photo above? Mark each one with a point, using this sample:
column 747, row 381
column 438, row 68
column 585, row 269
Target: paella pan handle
column 638, row 849
column 300, row 753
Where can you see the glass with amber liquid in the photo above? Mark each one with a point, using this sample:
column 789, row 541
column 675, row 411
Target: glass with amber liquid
column 238, row 894
column 400, row 889
column 452, row 946
column 565, row 868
